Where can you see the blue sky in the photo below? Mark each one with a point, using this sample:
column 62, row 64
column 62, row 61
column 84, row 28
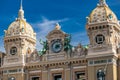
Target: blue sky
column 43, row 14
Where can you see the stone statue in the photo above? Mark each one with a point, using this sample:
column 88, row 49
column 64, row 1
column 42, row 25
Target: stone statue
column 45, row 47
column 88, row 19
column 102, row 2
column 100, row 75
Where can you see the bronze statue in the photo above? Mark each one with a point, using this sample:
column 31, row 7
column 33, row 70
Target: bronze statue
column 100, row 75
column 67, row 45
column 45, row 47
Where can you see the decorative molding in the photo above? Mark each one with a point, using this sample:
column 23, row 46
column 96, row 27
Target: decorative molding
column 79, row 67
column 36, row 71
column 58, row 69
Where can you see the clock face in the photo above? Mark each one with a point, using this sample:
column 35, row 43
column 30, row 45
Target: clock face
column 56, row 46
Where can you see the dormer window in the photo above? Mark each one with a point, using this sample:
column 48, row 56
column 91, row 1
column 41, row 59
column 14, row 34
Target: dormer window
column 99, row 39
column 13, row 50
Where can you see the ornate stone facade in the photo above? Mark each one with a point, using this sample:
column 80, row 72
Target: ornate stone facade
column 59, row 60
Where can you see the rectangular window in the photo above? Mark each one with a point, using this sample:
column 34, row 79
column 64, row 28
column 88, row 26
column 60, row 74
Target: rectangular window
column 13, row 71
column 35, row 78
column 80, row 76
column 109, row 60
column 90, row 62
column 100, row 61
column 5, row 71
column 57, row 77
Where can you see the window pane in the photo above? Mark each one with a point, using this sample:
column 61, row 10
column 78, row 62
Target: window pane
column 35, row 78
column 58, row 77
column 80, row 75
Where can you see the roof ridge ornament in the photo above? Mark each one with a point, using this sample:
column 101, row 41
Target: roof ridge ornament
column 102, row 3
column 21, row 7
column 21, row 11
column 57, row 27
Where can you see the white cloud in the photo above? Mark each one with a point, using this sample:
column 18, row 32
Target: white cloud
column 2, row 44
column 79, row 37
column 43, row 28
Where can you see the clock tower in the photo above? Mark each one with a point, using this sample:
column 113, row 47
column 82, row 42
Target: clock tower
column 19, row 41
column 103, row 30
column 56, row 44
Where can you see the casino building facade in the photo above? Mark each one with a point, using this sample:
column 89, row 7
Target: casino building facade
column 59, row 60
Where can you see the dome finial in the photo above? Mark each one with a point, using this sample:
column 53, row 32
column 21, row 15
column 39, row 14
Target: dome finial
column 21, row 5
column 102, row 2
column 21, row 12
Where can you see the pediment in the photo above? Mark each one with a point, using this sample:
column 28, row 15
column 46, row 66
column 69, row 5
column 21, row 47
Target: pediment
column 56, row 34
